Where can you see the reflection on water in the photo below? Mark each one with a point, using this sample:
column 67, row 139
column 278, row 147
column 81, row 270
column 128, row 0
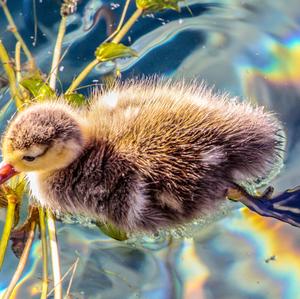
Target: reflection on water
column 248, row 48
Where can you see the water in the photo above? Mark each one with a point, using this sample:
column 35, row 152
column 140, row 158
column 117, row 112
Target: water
column 250, row 49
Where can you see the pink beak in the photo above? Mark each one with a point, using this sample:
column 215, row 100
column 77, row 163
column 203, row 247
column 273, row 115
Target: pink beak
column 6, row 172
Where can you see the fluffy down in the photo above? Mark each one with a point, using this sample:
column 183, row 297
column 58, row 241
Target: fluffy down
column 156, row 153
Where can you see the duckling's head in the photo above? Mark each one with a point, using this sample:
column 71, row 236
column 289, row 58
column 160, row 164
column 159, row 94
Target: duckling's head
column 44, row 137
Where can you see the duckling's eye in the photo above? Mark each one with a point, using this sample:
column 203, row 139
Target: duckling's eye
column 28, row 158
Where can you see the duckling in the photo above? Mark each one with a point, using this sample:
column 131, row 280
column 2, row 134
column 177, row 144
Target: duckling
column 144, row 155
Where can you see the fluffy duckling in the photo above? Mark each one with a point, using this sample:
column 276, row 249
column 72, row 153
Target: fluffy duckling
column 145, row 155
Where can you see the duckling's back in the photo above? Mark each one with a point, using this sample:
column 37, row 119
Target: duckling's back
column 188, row 144
column 188, row 123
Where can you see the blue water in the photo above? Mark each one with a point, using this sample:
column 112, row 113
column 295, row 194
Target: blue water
column 250, row 49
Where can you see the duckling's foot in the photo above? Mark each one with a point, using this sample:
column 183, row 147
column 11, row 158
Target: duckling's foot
column 268, row 192
column 236, row 193
column 284, row 207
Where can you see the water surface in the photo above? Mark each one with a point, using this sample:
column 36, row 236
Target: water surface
column 250, row 49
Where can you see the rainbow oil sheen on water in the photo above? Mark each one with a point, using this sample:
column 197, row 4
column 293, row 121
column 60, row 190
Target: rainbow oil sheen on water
column 250, row 49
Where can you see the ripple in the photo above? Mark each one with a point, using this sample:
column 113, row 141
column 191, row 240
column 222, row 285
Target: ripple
column 248, row 48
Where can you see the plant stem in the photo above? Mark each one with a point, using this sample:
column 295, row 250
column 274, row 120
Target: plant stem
column 81, row 76
column 121, row 21
column 54, row 255
column 4, row 58
column 14, row 30
column 22, row 262
column 18, row 61
column 74, row 265
column 71, row 279
column 24, row 94
column 9, row 221
column 57, row 52
column 127, row 26
column 4, row 109
column 115, row 40
column 44, row 253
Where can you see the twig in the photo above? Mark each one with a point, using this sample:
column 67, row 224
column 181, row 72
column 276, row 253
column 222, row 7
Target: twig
column 22, row 262
column 14, row 30
column 44, row 253
column 57, row 52
column 65, row 275
column 88, row 85
column 9, row 221
column 60, row 60
column 116, row 40
column 54, row 256
column 72, row 276
column 4, row 58
column 121, row 21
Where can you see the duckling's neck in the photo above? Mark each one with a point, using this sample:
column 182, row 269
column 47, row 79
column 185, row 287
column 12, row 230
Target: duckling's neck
column 85, row 129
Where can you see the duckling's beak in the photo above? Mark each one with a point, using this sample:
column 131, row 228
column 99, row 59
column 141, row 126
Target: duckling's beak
column 6, row 172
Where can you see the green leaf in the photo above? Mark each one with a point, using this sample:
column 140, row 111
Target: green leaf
column 76, row 99
column 111, row 51
column 112, row 231
column 19, row 187
column 151, row 6
column 38, row 88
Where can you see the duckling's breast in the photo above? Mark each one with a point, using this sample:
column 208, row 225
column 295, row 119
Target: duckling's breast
column 100, row 184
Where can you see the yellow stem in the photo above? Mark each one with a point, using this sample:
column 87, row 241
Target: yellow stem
column 44, row 253
column 14, row 30
column 9, row 221
column 24, row 94
column 127, row 26
column 121, row 21
column 18, row 61
column 81, row 76
column 4, row 58
column 4, row 109
column 22, row 262
column 57, row 52
column 54, row 255
column 116, row 40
